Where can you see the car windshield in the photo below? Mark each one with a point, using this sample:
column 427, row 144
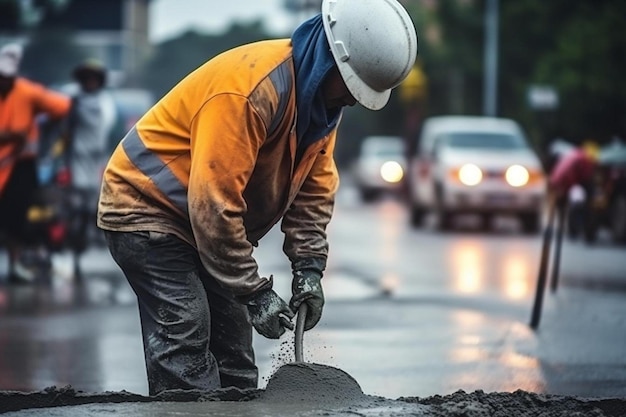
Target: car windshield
column 389, row 152
column 387, row 148
column 473, row 140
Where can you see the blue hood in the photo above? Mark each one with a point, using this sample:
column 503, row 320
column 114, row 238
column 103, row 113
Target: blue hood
column 313, row 61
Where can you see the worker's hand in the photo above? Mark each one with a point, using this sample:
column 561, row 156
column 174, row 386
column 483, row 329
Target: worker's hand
column 307, row 288
column 269, row 313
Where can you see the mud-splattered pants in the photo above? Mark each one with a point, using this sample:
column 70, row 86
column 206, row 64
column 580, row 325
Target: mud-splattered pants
column 195, row 335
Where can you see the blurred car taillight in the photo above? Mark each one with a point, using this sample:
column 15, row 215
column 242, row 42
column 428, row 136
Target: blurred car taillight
column 57, row 233
column 63, row 177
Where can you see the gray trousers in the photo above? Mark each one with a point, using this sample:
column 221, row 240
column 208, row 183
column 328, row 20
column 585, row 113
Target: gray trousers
column 195, row 335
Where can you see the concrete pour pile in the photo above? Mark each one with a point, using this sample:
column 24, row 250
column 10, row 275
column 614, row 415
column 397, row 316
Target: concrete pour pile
column 301, row 389
column 310, row 383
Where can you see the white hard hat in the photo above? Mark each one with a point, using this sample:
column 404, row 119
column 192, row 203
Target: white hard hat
column 374, row 45
column 10, row 57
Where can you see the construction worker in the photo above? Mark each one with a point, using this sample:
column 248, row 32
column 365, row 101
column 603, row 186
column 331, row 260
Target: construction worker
column 90, row 124
column 21, row 101
column 243, row 142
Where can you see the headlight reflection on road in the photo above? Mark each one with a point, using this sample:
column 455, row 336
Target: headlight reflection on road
column 390, row 229
column 471, row 349
column 467, row 264
column 467, row 347
column 515, row 273
column 474, row 270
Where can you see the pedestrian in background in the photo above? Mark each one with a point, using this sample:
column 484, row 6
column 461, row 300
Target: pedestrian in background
column 243, row 142
column 571, row 182
column 576, row 166
column 21, row 102
column 89, row 127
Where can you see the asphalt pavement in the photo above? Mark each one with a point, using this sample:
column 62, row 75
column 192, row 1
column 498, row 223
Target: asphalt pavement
column 58, row 337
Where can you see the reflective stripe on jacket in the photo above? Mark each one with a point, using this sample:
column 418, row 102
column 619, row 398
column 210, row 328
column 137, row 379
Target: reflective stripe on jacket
column 213, row 162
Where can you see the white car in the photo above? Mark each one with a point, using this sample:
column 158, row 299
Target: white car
column 380, row 166
column 479, row 165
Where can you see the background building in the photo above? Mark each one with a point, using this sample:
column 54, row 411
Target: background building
column 113, row 31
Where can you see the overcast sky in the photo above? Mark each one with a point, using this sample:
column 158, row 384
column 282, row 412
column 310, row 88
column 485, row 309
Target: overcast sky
column 169, row 18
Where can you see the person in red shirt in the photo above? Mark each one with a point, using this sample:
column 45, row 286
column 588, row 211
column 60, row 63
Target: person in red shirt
column 21, row 101
column 571, row 183
column 575, row 167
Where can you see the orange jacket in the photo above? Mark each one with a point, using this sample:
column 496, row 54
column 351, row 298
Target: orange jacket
column 213, row 162
column 18, row 112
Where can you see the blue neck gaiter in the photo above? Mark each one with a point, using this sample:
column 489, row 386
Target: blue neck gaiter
column 313, row 61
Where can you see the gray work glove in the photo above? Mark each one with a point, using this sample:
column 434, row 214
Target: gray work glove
column 269, row 313
column 306, row 287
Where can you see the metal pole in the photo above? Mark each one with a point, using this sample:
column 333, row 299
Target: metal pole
column 490, row 73
column 543, row 267
column 560, row 212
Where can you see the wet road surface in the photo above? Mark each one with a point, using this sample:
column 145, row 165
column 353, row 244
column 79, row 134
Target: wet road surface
column 409, row 314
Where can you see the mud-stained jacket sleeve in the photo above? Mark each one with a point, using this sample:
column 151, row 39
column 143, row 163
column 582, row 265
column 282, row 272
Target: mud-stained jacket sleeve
column 226, row 136
column 304, row 224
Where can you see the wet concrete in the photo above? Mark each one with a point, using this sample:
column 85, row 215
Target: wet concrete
column 66, row 402
column 312, row 384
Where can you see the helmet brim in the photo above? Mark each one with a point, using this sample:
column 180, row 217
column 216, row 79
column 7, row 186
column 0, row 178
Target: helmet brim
column 363, row 93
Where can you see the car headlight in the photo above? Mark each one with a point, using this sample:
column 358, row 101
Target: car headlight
column 391, row 171
column 517, row 176
column 470, row 175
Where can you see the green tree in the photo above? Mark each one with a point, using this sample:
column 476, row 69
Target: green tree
column 450, row 49
column 586, row 65
column 576, row 47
